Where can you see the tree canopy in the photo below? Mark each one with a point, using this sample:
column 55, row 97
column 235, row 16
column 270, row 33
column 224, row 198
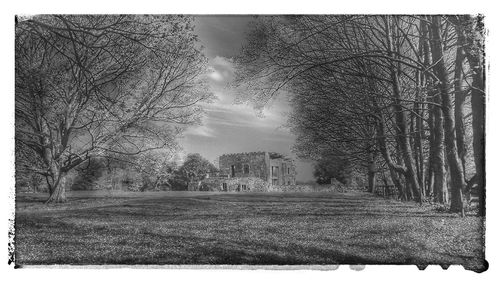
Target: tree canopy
column 91, row 85
column 390, row 93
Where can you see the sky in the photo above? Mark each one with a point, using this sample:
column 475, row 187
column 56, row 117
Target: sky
column 228, row 127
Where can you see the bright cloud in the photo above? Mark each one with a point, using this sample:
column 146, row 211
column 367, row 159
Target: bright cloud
column 215, row 75
column 203, row 131
column 221, row 70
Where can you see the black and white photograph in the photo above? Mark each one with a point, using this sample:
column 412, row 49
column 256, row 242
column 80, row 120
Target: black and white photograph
column 250, row 140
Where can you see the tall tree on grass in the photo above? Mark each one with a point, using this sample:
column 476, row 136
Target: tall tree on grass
column 471, row 31
column 379, row 82
column 450, row 138
column 88, row 86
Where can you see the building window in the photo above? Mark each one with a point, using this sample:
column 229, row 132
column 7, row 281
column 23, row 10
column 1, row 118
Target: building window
column 243, row 187
column 289, row 182
column 275, row 181
column 233, row 169
column 246, row 169
column 274, row 171
column 224, row 187
column 288, row 170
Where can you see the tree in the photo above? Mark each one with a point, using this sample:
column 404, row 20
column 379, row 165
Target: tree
column 88, row 174
column 156, row 168
column 195, row 168
column 329, row 168
column 343, row 59
column 88, row 86
column 473, row 35
column 456, row 168
column 371, row 87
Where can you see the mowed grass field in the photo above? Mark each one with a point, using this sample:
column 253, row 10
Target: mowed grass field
column 242, row 228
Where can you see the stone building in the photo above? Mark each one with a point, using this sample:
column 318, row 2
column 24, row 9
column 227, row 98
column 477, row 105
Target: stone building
column 273, row 168
column 252, row 171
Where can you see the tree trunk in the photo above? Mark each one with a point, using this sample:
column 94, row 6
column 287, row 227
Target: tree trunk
column 397, row 182
column 474, row 51
column 371, row 173
column 426, row 80
column 156, row 183
column 418, row 137
column 401, row 118
column 409, row 187
column 460, row 96
column 430, row 181
column 438, row 162
column 56, row 180
column 439, row 180
column 384, row 179
column 419, row 153
column 371, row 181
column 432, row 153
column 57, row 188
column 456, row 169
column 478, row 123
column 394, row 169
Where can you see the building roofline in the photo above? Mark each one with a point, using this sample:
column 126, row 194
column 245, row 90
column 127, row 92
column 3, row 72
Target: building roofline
column 244, row 153
column 276, row 155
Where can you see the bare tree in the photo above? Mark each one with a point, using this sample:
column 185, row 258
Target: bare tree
column 92, row 85
column 456, row 168
column 472, row 31
column 378, row 83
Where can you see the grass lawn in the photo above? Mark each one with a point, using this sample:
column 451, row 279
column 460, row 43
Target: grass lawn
column 242, row 228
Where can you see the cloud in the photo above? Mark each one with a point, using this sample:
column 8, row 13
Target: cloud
column 222, row 62
column 215, row 75
column 221, row 70
column 241, row 115
column 201, row 131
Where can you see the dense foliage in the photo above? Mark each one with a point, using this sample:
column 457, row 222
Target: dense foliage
column 328, row 168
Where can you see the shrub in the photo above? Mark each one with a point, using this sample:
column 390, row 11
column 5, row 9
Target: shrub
column 87, row 175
